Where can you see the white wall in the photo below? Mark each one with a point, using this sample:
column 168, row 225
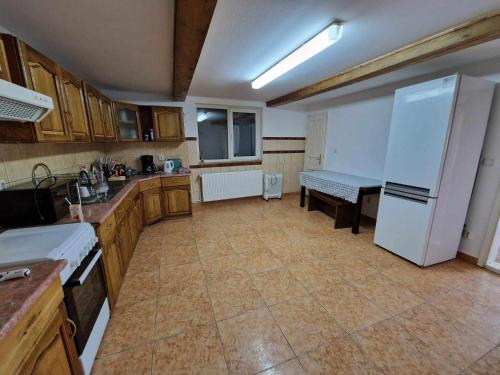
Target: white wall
column 275, row 122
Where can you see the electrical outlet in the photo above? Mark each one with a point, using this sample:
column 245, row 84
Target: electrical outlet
column 161, row 157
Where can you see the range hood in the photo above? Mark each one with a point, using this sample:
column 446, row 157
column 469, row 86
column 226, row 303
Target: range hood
column 18, row 103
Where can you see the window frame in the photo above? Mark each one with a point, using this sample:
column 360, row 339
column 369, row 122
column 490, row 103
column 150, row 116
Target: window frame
column 230, row 147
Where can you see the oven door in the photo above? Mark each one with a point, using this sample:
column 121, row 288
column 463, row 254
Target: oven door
column 85, row 295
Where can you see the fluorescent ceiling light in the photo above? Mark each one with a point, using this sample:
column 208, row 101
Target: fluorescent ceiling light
column 314, row 46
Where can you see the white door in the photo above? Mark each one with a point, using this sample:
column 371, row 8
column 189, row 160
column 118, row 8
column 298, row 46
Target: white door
column 315, row 141
column 403, row 225
column 420, row 124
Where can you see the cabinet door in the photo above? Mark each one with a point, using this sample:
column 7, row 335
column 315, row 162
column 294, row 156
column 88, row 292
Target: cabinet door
column 113, row 270
column 75, row 112
column 177, row 201
column 133, row 225
column 95, row 116
column 168, row 124
column 125, row 243
column 4, row 66
column 128, row 122
column 151, row 204
column 43, row 75
column 55, row 353
column 108, row 119
column 138, row 212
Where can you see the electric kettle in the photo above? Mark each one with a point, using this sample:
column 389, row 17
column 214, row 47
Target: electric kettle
column 168, row 167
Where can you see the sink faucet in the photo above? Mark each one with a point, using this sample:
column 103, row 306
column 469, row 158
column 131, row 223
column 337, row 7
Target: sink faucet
column 33, row 173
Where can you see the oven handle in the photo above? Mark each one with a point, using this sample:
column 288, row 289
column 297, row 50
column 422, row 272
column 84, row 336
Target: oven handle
column 91, row 265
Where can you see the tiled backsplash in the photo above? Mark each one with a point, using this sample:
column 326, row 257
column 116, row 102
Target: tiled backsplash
column 17, row 160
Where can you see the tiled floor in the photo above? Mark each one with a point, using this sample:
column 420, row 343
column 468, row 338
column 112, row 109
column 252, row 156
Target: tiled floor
column 248, row 286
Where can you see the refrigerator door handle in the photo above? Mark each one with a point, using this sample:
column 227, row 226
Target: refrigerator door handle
column 413, row 190
column 408, row 196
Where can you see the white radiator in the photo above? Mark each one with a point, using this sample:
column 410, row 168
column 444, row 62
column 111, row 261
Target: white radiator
column 228, row 185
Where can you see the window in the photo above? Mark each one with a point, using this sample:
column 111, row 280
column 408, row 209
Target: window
column 226, row 133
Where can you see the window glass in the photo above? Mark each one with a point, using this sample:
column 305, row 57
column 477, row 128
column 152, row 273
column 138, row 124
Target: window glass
column 212, row 133
column 243, row 134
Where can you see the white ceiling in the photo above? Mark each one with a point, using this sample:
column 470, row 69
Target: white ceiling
column 247, row 37
column 127, row 45
column 114, row 44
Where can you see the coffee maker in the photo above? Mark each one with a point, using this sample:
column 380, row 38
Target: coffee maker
column 148, row 167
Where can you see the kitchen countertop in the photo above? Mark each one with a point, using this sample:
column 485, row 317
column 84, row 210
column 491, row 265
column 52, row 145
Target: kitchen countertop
column 18, row 295
column 96, row 213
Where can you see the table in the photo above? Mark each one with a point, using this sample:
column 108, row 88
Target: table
column 349, row 187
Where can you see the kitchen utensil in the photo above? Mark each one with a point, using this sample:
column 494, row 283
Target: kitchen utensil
column 14, row 274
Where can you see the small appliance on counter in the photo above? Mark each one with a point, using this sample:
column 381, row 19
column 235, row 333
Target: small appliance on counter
column 148, row 166
column 177, row 163
column 168, row 166
column 32, row 203
column 82, row 277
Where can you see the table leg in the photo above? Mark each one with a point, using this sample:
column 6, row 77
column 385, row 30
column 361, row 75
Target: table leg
column 302, row 196
column 357, row 213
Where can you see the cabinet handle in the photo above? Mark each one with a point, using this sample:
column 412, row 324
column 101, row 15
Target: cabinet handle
column 73, row 327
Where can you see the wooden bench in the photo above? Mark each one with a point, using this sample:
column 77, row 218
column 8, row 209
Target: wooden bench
column 342, row 210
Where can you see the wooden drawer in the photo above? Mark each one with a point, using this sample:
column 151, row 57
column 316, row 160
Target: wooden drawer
column 175, row 181
column 149, row 184
column 107, row 230
column 23, row 338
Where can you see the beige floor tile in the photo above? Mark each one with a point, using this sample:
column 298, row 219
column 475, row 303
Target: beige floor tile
column 178, row 255
column 213, row 248
column 277, row 286
column 292, row 367
column 176, row 279
column 137, row 360
column 315, row 274
column 488, row 365
column 352, row 310
column 450, row 339
column 138, row 287
column 306, row 324
column 460, row 305
column 259, row 261
column 233, row 296
column 195, row 351
column 246, row 242
column 129, row 327
column 342, row 357
column 223, row 268
column 253, row 342
column 353, row 268
column 396, row 351
column 387, row 294
column 177, row 312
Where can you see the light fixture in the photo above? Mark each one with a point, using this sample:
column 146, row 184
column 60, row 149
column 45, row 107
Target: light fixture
column 202, row 116
column 315, row 45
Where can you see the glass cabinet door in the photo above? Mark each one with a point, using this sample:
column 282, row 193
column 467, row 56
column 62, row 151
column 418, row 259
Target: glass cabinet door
column 128, row 120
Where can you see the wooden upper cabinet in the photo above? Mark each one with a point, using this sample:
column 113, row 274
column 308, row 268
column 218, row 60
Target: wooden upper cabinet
column 4, row 65
column 100, row 115
column 128, row 122
column 43, row 75
column 75, row 111
column 168, row 124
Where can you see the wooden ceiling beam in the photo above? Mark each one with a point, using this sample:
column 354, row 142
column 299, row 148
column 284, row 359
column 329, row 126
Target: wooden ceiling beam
column 192, row 20
column 465, row 35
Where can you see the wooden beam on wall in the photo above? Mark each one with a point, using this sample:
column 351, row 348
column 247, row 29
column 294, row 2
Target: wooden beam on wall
column 192, row 20
column 465, row 35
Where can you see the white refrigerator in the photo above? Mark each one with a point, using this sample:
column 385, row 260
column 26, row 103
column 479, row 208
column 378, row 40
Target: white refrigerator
column 436, row 135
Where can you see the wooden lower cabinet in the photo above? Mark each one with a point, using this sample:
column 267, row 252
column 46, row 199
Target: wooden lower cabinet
column 55, row 354
column 177, row 200
column 151, row 204
column 113, row 270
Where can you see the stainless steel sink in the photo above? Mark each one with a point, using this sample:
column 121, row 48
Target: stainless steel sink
column 114, row 188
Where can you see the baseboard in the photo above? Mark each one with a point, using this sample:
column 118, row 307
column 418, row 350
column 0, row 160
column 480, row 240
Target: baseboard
column 467, row 258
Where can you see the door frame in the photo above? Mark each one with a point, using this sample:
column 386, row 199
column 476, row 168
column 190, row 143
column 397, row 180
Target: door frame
column 484, row 254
